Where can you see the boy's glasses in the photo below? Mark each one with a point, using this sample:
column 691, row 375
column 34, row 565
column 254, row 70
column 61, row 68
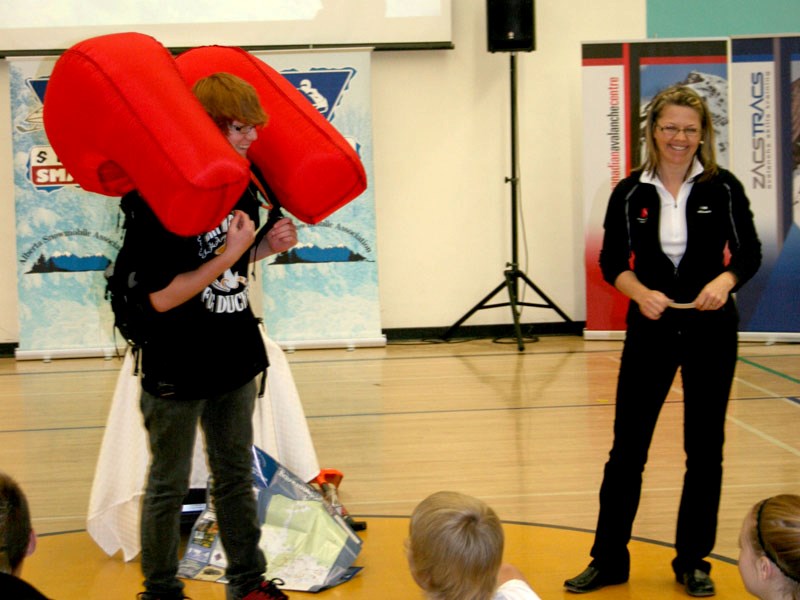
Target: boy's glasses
column 243, row 129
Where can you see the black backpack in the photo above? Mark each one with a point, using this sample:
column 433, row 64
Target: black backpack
column 128, row 301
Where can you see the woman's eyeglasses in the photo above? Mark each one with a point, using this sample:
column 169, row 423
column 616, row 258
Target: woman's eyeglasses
column 672, row 131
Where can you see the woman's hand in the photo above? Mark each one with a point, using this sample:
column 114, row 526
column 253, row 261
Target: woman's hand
column 715, row 293
column 652, row 303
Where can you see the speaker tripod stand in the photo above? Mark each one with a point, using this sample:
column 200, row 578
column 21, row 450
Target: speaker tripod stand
column 512, row 276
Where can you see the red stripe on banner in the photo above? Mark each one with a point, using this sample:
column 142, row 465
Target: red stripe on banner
column 681, row 60
column 602, row 62
column 626, row 61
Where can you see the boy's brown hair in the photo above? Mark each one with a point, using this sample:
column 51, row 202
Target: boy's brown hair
column 228, row 98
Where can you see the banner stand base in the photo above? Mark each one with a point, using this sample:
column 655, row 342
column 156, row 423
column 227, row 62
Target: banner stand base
column 348, row 344
column 744, row 336
column 48, row 355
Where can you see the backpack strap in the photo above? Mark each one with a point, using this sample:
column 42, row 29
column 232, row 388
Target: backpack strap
column 273, row 204
column 266, row 202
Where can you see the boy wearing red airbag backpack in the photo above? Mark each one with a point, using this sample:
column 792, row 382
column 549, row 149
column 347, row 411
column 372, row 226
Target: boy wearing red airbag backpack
column 201, row 361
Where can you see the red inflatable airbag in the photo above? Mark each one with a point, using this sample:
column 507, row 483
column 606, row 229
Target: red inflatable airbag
column 311, row 168
column 120, row 114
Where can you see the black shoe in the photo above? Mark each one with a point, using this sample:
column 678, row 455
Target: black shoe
column 697, row 583
column 592, row 579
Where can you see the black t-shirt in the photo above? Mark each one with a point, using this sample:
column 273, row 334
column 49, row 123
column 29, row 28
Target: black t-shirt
column 211, row 344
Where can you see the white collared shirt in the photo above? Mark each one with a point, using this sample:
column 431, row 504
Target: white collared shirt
column 672, row 223
column 515, row 589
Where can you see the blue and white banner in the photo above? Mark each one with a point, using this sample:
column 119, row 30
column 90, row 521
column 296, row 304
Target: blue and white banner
column 324, row 292
column 66, row 237
column 765, row 105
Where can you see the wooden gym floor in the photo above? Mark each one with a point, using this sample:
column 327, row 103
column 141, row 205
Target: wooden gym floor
column 528, row 432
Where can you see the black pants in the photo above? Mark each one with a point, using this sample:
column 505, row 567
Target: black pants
column 704, row 346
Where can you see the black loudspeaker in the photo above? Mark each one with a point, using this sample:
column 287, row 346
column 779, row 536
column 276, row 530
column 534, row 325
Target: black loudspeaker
column 510, row 25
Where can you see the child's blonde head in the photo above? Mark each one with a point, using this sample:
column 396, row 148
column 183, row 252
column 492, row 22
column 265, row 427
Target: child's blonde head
column 455, row 547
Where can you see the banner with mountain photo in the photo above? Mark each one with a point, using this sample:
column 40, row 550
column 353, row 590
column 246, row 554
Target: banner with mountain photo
column 66, row 237
column 619, row 80
column 324, row 292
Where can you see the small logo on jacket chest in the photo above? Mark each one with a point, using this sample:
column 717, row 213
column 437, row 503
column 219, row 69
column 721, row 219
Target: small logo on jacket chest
column 643, row 213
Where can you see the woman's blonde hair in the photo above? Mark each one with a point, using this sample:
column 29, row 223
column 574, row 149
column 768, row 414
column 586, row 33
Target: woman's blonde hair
column 228, row 98
column 776, row 535
column 679, row 95
column 455, row 547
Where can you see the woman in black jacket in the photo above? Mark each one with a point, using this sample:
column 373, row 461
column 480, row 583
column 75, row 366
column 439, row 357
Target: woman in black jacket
column 679, row 241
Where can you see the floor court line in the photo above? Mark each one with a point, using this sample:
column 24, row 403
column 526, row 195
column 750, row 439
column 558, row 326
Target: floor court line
column 769, row 370
column 764, row 436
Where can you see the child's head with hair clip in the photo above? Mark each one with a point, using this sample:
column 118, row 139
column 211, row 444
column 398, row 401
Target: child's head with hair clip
column 769, row 558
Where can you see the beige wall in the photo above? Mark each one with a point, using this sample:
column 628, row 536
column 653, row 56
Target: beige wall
column 441, row 127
